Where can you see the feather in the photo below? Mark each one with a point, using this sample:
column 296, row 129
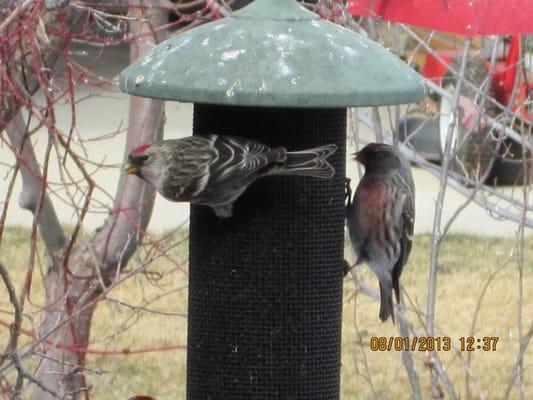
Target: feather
column 140, row 149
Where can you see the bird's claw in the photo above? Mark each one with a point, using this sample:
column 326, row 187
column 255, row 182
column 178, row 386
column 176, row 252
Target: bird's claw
column 347, row 189
column 347, row 267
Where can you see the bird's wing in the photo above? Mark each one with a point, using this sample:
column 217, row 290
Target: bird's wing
column 407, row 219
column 239, row 161
column 215, row 169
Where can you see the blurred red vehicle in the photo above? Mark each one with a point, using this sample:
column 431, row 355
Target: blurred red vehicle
column 480, row 154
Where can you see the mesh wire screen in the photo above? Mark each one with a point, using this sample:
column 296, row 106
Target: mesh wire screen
column 265, row 287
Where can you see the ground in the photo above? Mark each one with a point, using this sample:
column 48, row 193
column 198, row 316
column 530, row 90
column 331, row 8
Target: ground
column 465, row 265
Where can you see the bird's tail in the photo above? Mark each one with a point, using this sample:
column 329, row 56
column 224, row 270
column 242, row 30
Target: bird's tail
column 386, row 307
column 310, row 162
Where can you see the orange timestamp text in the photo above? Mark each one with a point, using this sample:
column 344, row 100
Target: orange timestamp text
column 430, row 343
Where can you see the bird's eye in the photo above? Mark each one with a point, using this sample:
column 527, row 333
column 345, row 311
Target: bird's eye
column 143, row 158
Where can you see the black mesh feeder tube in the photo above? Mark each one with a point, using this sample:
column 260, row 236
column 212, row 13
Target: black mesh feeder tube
column 265, row 286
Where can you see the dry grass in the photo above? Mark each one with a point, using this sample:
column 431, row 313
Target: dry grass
column 466, row 264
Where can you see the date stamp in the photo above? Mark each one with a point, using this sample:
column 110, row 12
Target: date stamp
column 429, row 343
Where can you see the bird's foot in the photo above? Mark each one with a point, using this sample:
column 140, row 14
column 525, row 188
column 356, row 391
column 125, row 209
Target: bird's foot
column 348, row 267
column 347, row 189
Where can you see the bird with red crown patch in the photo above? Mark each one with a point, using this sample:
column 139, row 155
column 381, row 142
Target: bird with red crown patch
column 215, row 170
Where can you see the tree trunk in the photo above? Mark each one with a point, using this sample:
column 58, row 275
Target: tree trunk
column 73, row 283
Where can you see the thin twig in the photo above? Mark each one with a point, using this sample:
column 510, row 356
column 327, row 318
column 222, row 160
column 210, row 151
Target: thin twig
column 14, row 330
column 524, row 342
column 436, row 232
column 473, row 326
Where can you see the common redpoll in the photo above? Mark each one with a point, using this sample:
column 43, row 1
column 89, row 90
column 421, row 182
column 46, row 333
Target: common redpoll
column 215, row 170
column 380, row 218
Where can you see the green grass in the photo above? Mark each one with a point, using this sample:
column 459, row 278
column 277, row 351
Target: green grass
column 465, row 264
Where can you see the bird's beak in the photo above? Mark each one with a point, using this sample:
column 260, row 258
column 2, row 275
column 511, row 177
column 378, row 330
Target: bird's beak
column 130, row 168
column 359, row 157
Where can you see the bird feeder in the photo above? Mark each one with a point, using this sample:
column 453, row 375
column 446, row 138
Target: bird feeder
column 265, row 286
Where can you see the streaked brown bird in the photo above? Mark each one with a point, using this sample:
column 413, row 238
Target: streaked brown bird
column 214, row 170
column 380, row 218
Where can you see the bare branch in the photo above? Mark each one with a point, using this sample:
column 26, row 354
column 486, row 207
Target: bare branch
column 435, row 361
column 408, row 362
column 14, row 331
column 34, row 186
column 114, row 243
column 18, row 10
column 473, row 325
column 134, row 199
column 521, row 255
column 524, row 343
column 436, row 233
column 492, row 122
column 480, row 197
column 55, row 4
column 439, row 90
column 17, row 86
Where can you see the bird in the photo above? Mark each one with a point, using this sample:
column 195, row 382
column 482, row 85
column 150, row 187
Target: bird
column 214, row 170
column 380, row 218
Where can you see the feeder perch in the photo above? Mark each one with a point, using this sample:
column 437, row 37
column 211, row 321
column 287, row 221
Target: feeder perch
column 265, row 286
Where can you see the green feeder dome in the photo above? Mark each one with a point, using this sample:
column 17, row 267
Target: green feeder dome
column 273, row 53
